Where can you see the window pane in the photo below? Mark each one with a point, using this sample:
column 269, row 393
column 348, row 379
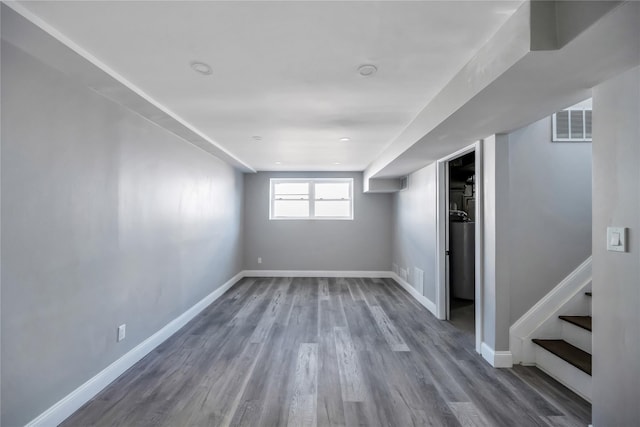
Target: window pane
column 562, row 124
column 587, row 124
column 335, row 209
column 291, row 208
column 576, row 124
column 291, row 188
column 333, row 190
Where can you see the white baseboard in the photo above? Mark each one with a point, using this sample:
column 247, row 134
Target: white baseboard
column 426, row 302
column 73, row 401
column 497, row 359
column 316, row 273
column 81, row 395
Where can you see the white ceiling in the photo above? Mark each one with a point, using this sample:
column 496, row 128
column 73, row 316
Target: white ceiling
column 285, row 71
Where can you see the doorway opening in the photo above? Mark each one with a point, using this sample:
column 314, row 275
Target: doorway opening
column 459, row 241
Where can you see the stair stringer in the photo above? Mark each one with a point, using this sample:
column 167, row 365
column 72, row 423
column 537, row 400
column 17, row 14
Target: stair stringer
column 541, row 320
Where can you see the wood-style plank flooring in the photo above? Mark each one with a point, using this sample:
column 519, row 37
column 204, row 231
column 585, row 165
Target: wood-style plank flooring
column 321, row 352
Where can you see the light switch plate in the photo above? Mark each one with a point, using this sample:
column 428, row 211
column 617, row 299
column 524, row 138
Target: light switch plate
column 617, row 239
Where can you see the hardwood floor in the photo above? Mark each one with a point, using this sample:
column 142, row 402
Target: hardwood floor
column 320, row 352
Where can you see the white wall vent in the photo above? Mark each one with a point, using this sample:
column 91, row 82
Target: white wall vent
column 572, row 124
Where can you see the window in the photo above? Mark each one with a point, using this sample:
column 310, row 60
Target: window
column 301, row 198
column 572, row 124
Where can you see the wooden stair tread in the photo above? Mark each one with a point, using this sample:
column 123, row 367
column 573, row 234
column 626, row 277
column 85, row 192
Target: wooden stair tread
column 588, row 294
column 573, row 355
column 582, row 321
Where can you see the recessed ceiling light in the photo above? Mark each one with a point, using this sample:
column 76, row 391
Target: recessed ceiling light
column 278, row 163
column 345, row 139
column 367, row 70
column 201, row 67
column 336, row 163
column 257, row 138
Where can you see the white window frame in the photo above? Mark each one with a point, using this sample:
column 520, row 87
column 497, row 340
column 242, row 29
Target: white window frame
column 554, row 132
column 312, row 199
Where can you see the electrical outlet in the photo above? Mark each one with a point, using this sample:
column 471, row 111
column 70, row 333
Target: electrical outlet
column 259, row 260
column 122, row 332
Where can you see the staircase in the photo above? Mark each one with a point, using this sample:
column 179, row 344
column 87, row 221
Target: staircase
column 568, row 357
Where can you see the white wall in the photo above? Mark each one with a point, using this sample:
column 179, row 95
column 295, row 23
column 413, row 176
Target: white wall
column 363, row 244
column 414, row 229
column 616, row 276
column 106, row 219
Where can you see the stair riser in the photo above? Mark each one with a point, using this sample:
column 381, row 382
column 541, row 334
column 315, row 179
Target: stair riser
column 577, row 336
column 567, row 374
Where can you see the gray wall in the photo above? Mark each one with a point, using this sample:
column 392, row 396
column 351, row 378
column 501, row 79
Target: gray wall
column 537, row 209
column 549, row 200
column 106, row 219
column 361, row 244
column 414, row 228
column 537, row 221
column 616, row 276
column 495, row 304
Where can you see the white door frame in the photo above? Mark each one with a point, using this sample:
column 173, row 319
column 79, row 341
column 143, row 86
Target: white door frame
column 442, row 221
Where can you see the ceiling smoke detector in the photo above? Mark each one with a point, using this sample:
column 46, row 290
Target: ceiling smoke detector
column 201, row 67
column 367, row 70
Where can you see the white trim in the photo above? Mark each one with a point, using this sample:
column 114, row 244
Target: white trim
column 311, row 198
column 441, row 241
column 317, row 273
column 441, row 236
column 497, row 359
column 546, row 310
column 576, row 336
column 479, row 241
column 74, row 400
column 426, row 302
column 65, row 407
